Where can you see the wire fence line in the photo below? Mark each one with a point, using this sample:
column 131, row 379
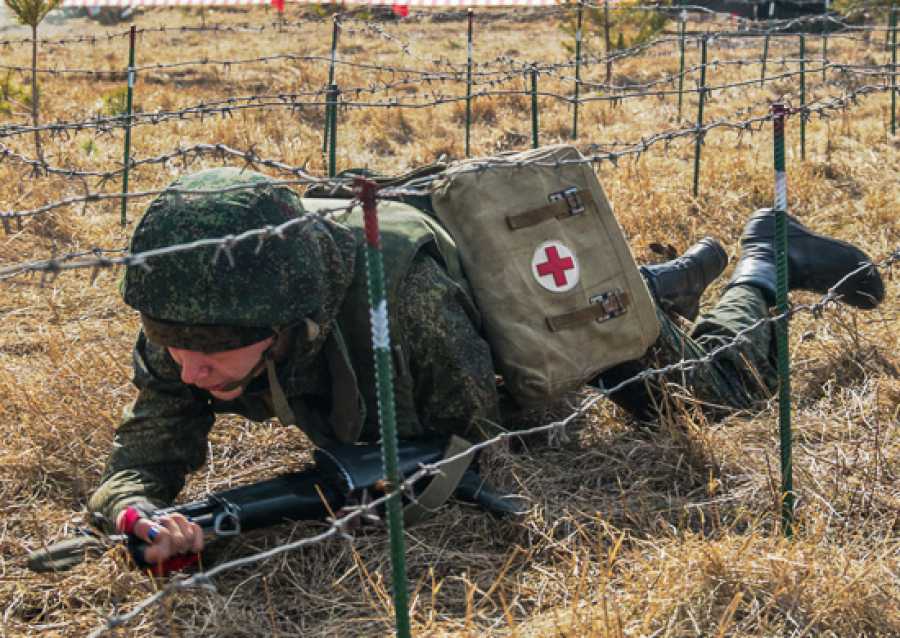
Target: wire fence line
column 339, row 526
column 456, row 70
column 596, row 152
column 483, row 82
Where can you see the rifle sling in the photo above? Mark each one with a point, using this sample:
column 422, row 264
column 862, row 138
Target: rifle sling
column 442, row 485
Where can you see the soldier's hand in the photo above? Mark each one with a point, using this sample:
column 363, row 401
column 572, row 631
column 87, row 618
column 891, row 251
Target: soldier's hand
column 166, row 536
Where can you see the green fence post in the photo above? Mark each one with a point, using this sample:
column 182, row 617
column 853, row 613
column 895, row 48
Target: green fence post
column 893, row 71
column 128, row 113
column 781, row 327
column 802, row 93
column 825, row 42
column 681, row 69
column 326, row 143
column 606, row 35
column 534, row 108
column 762, row 75
column 381, row 345
column 700, row 115
column 333, row 94
column 579, row 11
column 469, row 86
column 887, row 33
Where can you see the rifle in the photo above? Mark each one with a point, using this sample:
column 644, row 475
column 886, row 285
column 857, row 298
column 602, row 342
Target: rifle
column 338, row 474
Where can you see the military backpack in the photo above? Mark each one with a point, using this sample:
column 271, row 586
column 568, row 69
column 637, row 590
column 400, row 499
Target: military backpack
column 559, row 292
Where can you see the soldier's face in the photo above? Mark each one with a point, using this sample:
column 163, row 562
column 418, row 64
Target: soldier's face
column 215, row 371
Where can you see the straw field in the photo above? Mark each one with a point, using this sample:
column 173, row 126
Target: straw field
column 666, row 529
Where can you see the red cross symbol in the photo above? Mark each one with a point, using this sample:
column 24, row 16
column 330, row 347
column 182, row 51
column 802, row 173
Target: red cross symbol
column 556, row 266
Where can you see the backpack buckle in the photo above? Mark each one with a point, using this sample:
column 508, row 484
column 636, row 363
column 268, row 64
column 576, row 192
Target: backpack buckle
column 573, row 200
column 612, row 304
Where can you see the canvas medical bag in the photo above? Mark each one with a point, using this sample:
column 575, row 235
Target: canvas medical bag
column 552, row 275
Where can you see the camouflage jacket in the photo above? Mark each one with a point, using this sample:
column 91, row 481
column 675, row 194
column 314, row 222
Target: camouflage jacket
column 444, row 381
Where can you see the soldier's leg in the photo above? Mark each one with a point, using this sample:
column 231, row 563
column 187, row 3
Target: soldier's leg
column 740, row 373
column 735, row 373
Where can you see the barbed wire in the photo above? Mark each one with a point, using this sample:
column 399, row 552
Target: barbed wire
column 770, row 30
column 319, row 98
column 820, row 108
column 338, row 527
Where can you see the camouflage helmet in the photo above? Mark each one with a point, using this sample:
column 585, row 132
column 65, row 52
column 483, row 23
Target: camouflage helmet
column 204, row 299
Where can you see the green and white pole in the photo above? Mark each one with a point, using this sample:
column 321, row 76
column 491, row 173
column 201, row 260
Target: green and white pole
column 128, row 111
column 381, row 345
column 779, row 111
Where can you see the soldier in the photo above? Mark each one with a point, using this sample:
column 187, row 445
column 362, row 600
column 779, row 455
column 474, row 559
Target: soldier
column 285, row 334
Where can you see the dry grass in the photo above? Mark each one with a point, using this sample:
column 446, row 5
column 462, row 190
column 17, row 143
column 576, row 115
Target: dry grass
column 630, row 532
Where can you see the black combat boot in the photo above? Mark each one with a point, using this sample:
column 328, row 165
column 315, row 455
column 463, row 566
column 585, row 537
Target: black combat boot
column 678, row 284
column 815, row 263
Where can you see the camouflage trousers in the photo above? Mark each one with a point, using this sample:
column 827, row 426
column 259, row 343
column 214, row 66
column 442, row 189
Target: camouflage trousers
column 735, row 378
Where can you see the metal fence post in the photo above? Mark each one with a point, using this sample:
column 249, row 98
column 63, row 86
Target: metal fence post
column 128, row 114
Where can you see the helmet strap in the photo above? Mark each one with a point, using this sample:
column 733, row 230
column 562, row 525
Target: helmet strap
column 279, row 401
column 245, row 381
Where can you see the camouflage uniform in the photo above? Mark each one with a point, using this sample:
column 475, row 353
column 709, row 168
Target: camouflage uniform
column 444, row 377
column 735, row 379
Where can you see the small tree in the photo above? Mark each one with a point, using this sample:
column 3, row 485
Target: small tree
column 31, row 13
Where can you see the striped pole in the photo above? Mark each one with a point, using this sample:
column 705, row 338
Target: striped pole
column 381, row 344
column 128, row 109
column 580, row 11
column 781, row 327
column 469, row 86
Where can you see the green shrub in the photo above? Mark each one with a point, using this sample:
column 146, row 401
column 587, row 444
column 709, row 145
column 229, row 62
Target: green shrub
column 10, row 92
column 27, row 98
column 116, row 102
column 627, row 27
column 89, row 146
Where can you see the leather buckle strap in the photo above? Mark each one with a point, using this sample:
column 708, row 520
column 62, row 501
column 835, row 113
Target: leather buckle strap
column 603, row 308
column 568, row 203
